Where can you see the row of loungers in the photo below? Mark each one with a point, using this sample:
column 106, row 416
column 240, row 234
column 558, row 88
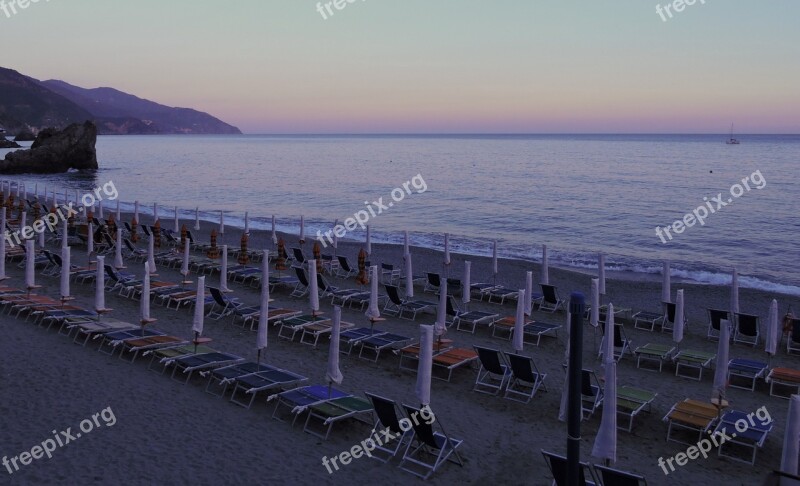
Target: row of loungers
column 596, row 474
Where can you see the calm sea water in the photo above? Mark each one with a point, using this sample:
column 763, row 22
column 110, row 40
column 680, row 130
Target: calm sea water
column 577, row 194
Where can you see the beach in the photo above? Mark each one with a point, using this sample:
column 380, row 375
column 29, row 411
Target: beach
column 167, row 432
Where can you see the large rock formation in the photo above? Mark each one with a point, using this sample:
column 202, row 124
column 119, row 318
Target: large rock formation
column 56, row 151
column 7, row 144
column 25, row 135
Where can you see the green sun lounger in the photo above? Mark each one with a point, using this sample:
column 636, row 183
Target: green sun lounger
column 694, row 360
column 332, row 411
column 653, row 352
column 632, row 401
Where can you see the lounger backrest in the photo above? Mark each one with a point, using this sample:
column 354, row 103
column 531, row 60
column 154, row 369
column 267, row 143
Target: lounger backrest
column 298, row 255
column 344, row 263
column 558, row 466
column 301, row 276
column 129, row 244
column 393, row 294
column 522, row 367
column 108, row 239
column 422, row 430
column 617, row 477
column 112, row 274
column 387, row 266
column 57, row 259
column 451, row 309
column 586, row 383
column 619, row 336
column 322, row 283
column 218, row 297
column 748, row 324
column 670, row 306
column 715, row 316
column 549, row 293
column 189, row 235
column 433, row 279
column 386, row 410
column 127, row 226
column 490, row 360
column 795, row 330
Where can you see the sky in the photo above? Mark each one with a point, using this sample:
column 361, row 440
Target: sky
column 430, row 66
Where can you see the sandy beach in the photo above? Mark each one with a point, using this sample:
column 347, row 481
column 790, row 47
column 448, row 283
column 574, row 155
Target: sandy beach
column 169, row 433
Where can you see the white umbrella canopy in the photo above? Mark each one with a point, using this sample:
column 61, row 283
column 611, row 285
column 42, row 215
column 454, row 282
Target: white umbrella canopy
column 519, row 323
column 274, row 233
column 263, row 316
column 155, row 213
column 608, row 338
column 528, row 293
column 223, row 273
column 90, row 239
column 30, row 263
column 594, row 314
column 666, row 292
column 313, row 287
column 118, row 261
column 440, row 327
column 562, row 410
column 723, row 351
column 605, row 444
column 425, row 364
column 151, row 254
column 734, row 294
column 447, row 249
column 221, row 223
column 246, row 223
column 199, row 307
column 100, row 285
column 791, row 437
column 176, row 227
column 494, row 258
column 144, row 303
column 409, row 276
column 373, row 312
column 772, row 329
column 302, row 229
column 185, row 260
column 466, row 283
column 677, row 328
column 66, row 263
column 601, row 273
column 197, row 218
column 64, row 234
column 368, row 243
column 334, row 374
column 545, row 279
column 3, row 275
column 136, row 211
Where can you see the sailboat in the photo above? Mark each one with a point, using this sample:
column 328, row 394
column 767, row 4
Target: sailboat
column 732, row 141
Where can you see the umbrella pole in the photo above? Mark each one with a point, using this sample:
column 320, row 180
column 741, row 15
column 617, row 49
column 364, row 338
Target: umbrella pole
column 574, row 412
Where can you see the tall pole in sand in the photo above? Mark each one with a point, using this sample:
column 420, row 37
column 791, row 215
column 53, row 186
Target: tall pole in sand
column 577, row 305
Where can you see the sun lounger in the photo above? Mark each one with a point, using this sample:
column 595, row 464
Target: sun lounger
column 501, row 294
column 751, row 438
column 786, row 377
column 345, row 270
column 335, row 410
column 632, row 401
column 793, row 341
column 200, row 361
column 471, row 318
column 395, row 306
column 693, row 360
column 550, row 300
column 537, row 330
column 746, row 369
column 526, row 379
column 453, row 359
column 162, row 356
column 224, row 376
column 412, row 352
column 558, row 468
column 352, row 337
column 293, row 325
column 299, row 399
column 381, row 342
column 276, row 314
column 692, row 415
column 386, row 418
column 87, row 330
column 746, row 331
column 268, row 379
column 647, row 320
column 715, row 318
column 622, row 345
column 312, row 332
column 658, row 353
column 115, row 339
column 135, row 346
column 493, row 373
column 669, row 318
column 614, row 477
column 591, row 394
column 425, row 441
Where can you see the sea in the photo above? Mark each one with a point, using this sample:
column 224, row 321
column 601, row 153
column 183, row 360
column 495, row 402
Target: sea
column 580, row 195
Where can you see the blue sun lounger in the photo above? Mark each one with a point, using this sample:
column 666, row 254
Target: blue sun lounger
column 746, row 369
column 269, row 379
column 299, row 399
column 752, row 438
column 191, row 363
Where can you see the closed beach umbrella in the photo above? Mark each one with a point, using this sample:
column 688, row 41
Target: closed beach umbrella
column 362, row 268
column 466, row 283
column 155, row 213
column 369, row 241
column 373, row 312
column 317, row 252
column 246, row 223
column 528, row 293
column 334, row 374
column 545, row 270
column 447, row 249
column 280, row 263
column 666, row 292
column 41, row 238
column 263, row 316
column 601, row 273
column 772, row 329
column 150, row 255
column 23, row 220
column 313, row 288
column 65, row 267
column 409, row 277
column 100, row 285
column 185, row 261
column 594, row 314
column 608, row 338
column 791, row 437
column 223, row 273
column 734, row 294
column 90, row 239
column 221, row 223
column 677, row 328
column 406, row 251
column 199, row 307
column 144, row 303
column 118, row 261
column 177, row 226
column 605, row 444
column 64, row 234
column 441, row 311
column 274, row 234
column 99, row 208
column 721, row 371
column 519, row 323
column 197, row 218
column 3, row 244
column 494, row 258
column 136, row 210
column 302, row 229
column 425, row 364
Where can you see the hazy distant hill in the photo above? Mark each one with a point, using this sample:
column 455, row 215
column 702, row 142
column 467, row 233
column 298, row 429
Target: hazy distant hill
column 28, row 103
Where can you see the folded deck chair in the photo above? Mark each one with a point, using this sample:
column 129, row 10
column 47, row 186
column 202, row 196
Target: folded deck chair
column 381, row 342
column 201, row 361
column 558, row 468
column 301, row 289
column 693, row 360
column 426, row 442
column 786, row 377
column 352, row 337
column 268, row 379
column 293, row 325
column 715, row 318
column 747, row 331
column 614, row 477
column 493, row 373
column 669, row 318
column 550, row 300
column 223, row 305
column 591, row 393
column 468, row 318
column 631, row 401
column 345, row 270
column 299, row 399
column 136, row 346
column 526, row 379
column 622, row 345
column 452, row 359
column 388, row 424
column 314, row 331
column 396, row 306
column 657, row 353
column 748, row 370
column 338, row 409
column 647, row 321
column 693, row 415
column 752, row 438
column 793, row 343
